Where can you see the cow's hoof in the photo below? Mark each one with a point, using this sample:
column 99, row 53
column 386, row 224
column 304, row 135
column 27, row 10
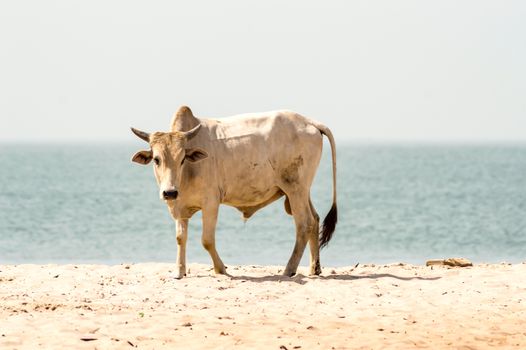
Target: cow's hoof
column 289, row 273
column 220, row 270
column 180, row 275
column 316, row 269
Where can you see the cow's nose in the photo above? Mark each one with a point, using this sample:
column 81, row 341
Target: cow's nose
column 172, row 194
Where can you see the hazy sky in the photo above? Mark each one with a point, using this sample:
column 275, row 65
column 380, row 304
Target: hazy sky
column 373, row 70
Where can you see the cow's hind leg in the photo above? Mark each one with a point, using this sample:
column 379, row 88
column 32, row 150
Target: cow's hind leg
column 305, row 225
column 208, row 239
column 314, row 243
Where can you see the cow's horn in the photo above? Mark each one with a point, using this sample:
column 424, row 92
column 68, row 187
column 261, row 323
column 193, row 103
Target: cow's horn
column 191, row 133
column 141, row 134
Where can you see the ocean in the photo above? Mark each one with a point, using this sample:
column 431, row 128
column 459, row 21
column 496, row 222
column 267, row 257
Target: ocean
column 87, row 203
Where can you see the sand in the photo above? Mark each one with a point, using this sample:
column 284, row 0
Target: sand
column 141, row 306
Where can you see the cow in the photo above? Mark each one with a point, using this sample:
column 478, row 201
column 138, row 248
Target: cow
column 245, row 161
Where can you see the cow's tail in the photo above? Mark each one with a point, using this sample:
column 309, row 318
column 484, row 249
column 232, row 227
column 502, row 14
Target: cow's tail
column 329, row 223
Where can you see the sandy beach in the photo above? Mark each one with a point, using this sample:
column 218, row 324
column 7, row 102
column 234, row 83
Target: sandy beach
column 142, row 306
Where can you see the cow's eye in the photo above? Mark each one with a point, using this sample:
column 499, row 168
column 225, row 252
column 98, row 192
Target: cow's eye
column 156, row 160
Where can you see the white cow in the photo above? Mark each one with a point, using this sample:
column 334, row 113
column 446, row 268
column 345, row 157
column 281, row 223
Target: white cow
column 246, row 161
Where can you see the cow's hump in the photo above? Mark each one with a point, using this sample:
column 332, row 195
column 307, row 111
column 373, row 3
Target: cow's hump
column 183, row 119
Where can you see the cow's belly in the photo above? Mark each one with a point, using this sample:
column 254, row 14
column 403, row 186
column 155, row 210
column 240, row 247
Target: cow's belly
column 250, row 195
column 260, row 199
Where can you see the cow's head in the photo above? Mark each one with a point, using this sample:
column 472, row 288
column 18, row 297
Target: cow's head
column 170, row 152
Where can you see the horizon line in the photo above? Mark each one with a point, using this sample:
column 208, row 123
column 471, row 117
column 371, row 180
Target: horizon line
column 350, row 141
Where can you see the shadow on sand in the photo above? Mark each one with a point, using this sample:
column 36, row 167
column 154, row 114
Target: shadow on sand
column 302, row 279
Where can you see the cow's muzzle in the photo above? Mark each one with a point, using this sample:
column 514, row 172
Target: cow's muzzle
column 170, row 195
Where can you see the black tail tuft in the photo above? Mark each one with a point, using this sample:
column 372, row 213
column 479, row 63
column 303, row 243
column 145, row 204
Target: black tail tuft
column 329, row 224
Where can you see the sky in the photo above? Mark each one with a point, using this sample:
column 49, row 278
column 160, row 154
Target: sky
column 370, row 70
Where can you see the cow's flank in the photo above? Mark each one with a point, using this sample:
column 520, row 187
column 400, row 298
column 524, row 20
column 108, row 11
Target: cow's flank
column 291, row 173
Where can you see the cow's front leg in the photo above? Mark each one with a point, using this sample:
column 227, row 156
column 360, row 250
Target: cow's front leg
column 208, row 238
column 181, row 235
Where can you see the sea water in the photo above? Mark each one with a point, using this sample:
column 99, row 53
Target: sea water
column 87, row 203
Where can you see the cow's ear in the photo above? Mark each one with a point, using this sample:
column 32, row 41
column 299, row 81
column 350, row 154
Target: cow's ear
column 142, row 157
column 195, row 154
